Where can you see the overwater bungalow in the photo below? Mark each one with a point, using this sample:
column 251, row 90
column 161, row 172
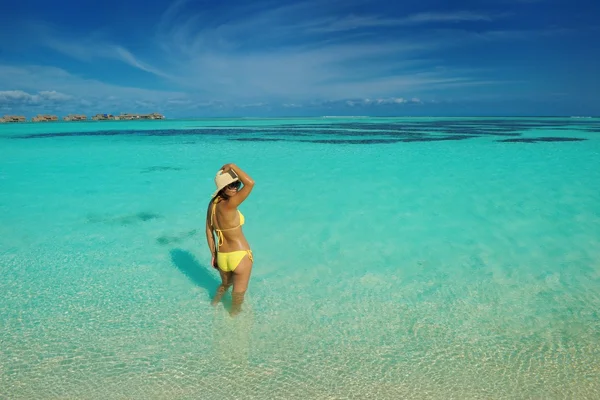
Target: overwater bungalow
column 130, row 117
column 75, row 117
column 103, row 117
column 44, row 118
column 126, row 117
column 155, row 116
column 14, row 118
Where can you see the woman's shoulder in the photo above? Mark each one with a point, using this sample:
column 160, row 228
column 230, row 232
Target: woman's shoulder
column 226, row 205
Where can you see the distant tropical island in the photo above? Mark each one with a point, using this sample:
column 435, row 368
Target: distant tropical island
column 81, row 117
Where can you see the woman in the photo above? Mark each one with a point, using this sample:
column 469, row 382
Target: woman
column 231, row 255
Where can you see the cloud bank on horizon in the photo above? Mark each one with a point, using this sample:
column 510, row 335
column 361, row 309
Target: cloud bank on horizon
column 265, row 58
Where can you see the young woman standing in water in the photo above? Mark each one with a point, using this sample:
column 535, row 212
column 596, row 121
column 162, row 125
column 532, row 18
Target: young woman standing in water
column 231, row 253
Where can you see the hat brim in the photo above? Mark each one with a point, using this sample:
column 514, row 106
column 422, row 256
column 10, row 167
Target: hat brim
column 216, row 192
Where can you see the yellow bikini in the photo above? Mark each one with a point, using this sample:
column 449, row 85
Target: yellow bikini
column 230, row 260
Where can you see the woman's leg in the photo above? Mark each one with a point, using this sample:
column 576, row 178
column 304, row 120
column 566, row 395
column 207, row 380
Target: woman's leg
column 241, row 277
column 226, row 282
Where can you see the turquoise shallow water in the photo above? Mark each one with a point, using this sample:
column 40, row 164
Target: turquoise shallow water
column 394, row 258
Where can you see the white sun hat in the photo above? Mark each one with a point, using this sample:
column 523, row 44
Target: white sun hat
column 223, row 179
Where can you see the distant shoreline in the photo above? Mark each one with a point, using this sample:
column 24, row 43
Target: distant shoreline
column 82, row 117
column 10, row 119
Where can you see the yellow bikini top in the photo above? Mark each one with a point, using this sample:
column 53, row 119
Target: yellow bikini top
column 220, row 231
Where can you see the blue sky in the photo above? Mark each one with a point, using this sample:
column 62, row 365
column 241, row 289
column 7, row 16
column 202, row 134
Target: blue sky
column 294, row 58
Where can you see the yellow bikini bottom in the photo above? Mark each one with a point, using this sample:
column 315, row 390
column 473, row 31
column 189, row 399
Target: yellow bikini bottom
column 229, row 261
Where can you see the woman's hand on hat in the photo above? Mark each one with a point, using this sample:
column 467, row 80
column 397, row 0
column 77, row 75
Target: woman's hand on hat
column 226, row 167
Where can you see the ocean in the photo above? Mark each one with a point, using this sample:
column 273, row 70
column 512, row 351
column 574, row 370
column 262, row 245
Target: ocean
column 416, row 258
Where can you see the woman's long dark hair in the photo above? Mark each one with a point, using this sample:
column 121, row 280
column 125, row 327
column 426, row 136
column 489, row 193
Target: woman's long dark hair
column 222, row 194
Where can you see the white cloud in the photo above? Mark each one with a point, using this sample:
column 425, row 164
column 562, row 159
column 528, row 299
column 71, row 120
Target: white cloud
column 54, row 88
column 236, row 61
column 205, row 56
column 13, row 97
column 382, row 101
column 144, row 104
column 179, row 101
column 52, row 82
column 54, row 95
column 78, row 94
column 130, row 59
column 87, row 48
column 352, row 22
column 447, row 17
column 260, row 104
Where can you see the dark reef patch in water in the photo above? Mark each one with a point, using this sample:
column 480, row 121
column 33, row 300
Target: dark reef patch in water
column 158, row 132
column 165, row 240
column 437, row 139
column 364, row 131
column 349, row 141
column 205, row 131
column 72, row 134
column 124, row 220
column 541, row 139
column 402, row 129
column 256, row 140
column 288, row 133
column 517, row 141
